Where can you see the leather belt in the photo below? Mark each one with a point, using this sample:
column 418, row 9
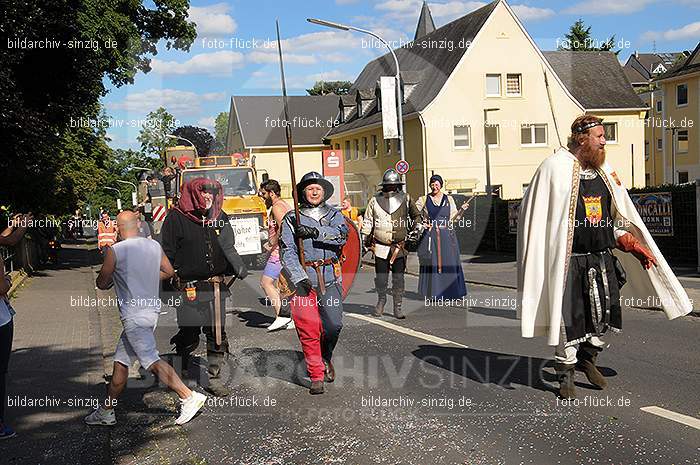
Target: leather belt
column 316, row 265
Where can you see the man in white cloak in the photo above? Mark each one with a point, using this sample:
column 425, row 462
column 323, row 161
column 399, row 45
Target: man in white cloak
column 574, row 213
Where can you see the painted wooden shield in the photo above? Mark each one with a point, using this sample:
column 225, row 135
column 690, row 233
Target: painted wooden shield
column 352, row 256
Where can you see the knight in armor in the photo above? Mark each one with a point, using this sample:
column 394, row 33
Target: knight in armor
column 317, row 308
column 391, row 219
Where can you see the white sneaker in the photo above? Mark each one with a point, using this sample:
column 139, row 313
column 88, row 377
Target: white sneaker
column 279, row 323
column 290, row 325
column 190, row 406
column 101, row 416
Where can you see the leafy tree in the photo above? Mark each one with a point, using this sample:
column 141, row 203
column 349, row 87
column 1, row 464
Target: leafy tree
column 154, row 133
column 55, row 57
column 200, row 137
column 221, row 132
column 330, row 87
column 579, row 39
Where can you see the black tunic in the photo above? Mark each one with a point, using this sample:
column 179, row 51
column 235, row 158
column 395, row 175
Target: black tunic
column 193, row 249
column 593, row 230
column 591, row 302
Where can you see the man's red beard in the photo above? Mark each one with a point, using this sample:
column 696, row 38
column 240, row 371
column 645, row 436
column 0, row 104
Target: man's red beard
column 591, row 158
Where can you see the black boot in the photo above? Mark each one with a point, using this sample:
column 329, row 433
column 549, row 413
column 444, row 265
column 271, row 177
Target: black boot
column 185, row 344
column 586, row 360
column 381, row 301
column 398, row 297
column 565, row 375
column 216, row 386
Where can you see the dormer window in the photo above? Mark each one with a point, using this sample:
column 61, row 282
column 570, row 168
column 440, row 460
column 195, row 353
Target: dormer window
column 346, row 104
column 409, row 82
column 364, row 98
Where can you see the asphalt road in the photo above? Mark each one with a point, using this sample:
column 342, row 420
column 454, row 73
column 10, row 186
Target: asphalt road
column 446, row 385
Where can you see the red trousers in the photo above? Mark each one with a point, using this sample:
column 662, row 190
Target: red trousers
column 309, row 327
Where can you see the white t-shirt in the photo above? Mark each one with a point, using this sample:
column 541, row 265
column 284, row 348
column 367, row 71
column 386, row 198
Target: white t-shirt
column 137, row 275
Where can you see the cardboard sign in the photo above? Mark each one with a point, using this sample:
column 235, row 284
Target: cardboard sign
column 247, row 233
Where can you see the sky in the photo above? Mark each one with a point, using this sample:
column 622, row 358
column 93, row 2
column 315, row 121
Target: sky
column 235, row 49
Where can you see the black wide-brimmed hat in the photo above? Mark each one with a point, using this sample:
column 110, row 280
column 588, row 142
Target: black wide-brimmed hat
column 314, row 178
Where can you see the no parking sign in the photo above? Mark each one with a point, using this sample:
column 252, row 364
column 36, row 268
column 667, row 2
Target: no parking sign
column 402, row 166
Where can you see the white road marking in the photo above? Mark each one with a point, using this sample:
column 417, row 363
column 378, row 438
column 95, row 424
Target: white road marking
column 408, row 331
column 677, row 417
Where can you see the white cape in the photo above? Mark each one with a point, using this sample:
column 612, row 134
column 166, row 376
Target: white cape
column 544, row 248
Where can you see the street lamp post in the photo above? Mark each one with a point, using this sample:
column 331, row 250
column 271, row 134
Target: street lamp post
column 399, row 94
column 673, row 130
column 134, row 200
column 119, row 201
column 489, row 188
column 486, row 150
column 173, row 136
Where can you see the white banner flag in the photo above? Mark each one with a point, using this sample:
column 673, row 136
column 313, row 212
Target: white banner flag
column 389, row 119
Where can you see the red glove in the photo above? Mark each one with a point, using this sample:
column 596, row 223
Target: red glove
column 629, row 243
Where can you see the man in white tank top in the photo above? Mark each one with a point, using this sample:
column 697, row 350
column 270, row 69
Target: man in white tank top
column 136, row 265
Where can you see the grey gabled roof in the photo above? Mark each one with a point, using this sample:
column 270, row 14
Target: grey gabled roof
column 428, row 58
column 634, row 76
column 689, row 65
column 639, row 66
column 261, row 117
column 595, row 79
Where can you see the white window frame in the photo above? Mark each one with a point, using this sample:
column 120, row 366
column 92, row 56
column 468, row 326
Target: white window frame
column 617, row 136
column 375, row 150
column 679, row 105
column 348, row 150
column 520, row 85
column 532, row 135
column 365, row 151
column 678, row 139
column 356, row 149
column 661, row 145
column 468, row 137
column 500, row 85
column 498, row 136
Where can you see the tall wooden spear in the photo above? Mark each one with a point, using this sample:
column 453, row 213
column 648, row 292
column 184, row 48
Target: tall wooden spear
column 290, row 150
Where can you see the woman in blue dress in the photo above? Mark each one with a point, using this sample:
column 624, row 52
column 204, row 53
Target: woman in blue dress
column 441, row 274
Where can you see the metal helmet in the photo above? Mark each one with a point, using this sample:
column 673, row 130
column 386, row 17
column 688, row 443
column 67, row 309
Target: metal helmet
column 391, row 177
column 313, row 177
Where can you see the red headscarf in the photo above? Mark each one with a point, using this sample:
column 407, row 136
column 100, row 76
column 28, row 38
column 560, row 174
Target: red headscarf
column 193, row 205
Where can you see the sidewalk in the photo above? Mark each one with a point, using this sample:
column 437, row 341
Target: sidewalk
column 55, row 370
column 501, row 271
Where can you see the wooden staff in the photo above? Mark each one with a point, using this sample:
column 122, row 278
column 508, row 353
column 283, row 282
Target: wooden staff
column 290, row 150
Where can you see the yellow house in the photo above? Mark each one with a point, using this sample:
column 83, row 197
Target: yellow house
column 485, row 61
column 256, row 125
column 672, row 136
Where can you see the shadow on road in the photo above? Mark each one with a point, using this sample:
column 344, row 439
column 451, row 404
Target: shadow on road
column 501, row 369
column 497, row 312
column 255, row 319
column 283, row 364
